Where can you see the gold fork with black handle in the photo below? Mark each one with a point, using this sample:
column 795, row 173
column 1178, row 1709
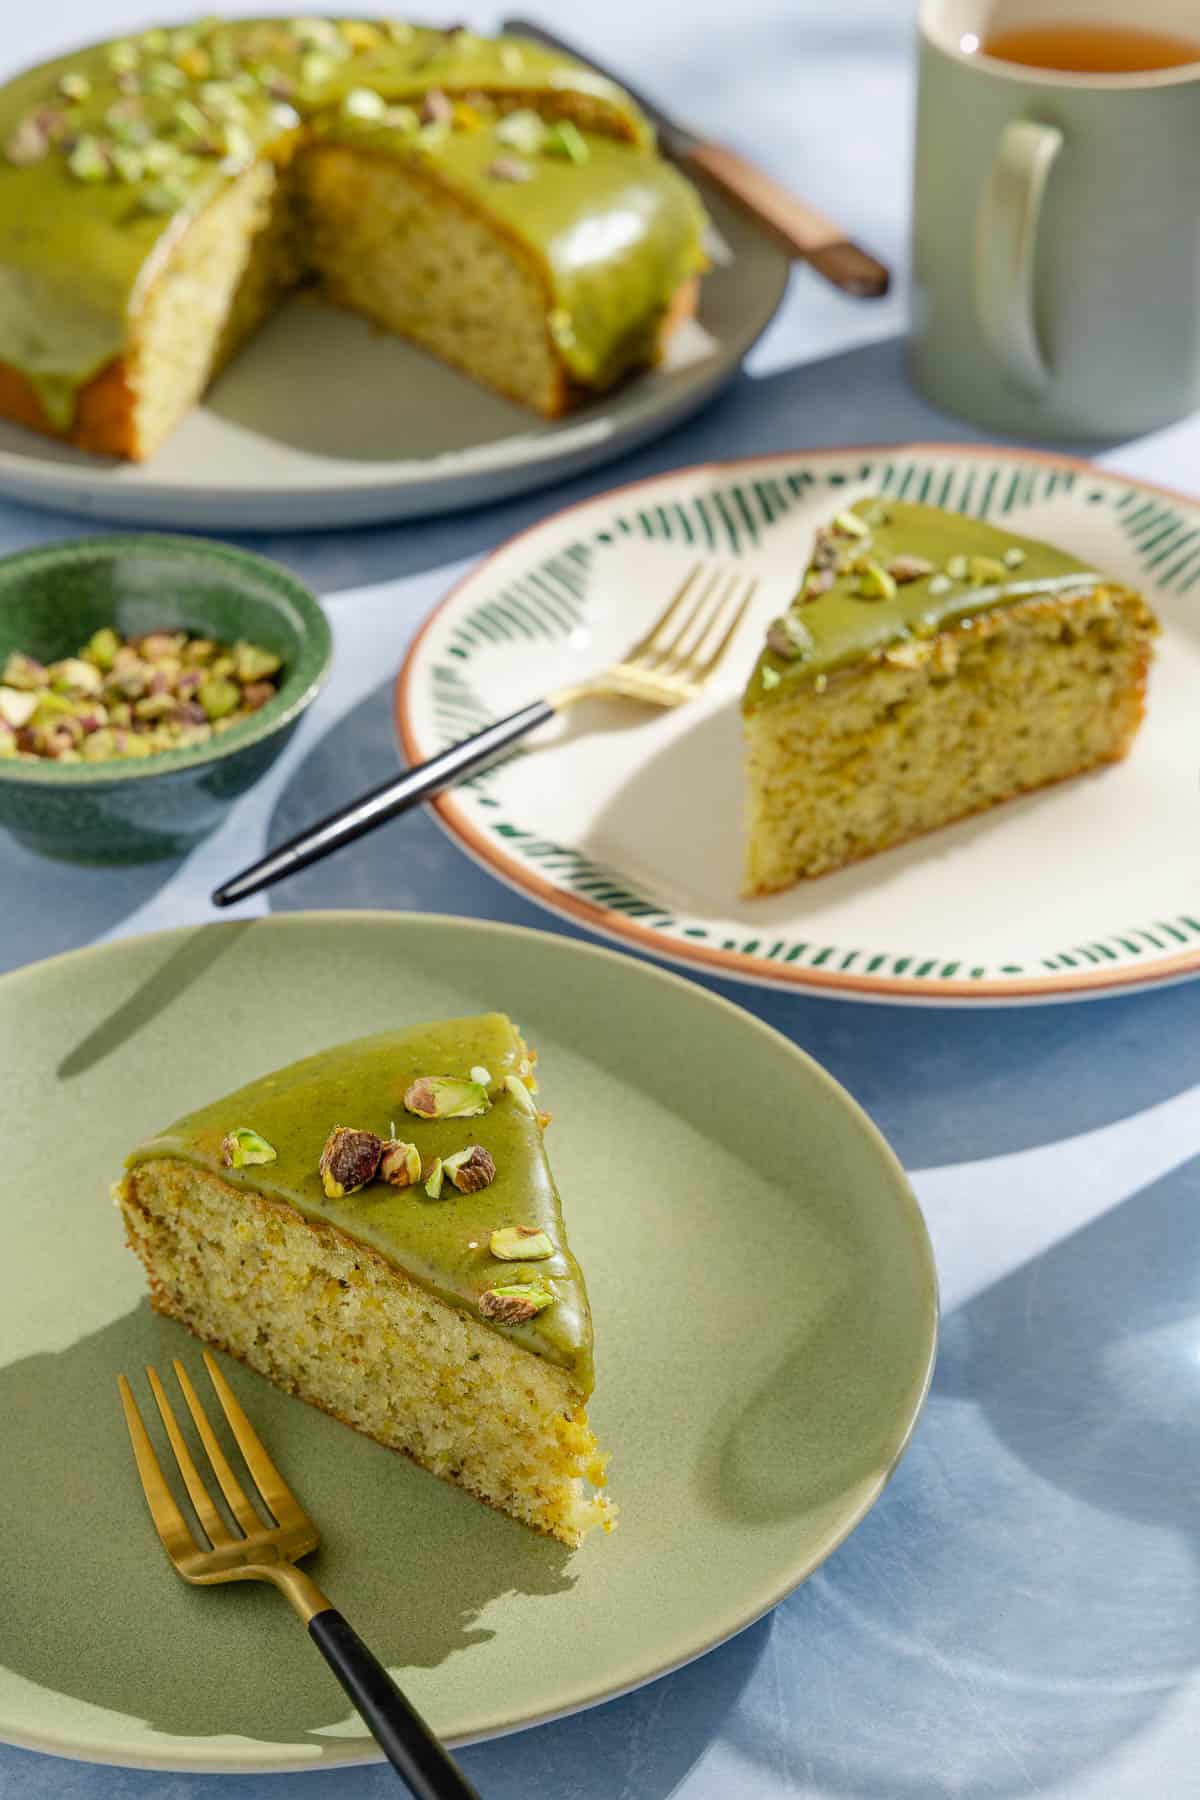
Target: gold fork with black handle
column 238, row 1546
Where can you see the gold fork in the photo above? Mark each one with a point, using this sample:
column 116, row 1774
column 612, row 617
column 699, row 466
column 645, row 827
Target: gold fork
column 249, row 1550
column 675, row 659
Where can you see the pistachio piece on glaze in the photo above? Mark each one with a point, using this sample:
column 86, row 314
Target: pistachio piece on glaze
column 788, row 636
column 909, row 568
column 445, row 1097
column 957, row 568
column 1014, row 556
column 510, row 168
column 520, row 1243
column 513, row 1303
column 348, row 1161
column 242, row 1147
column 399, row 1163
column 481, row 1075
column 521, row 1094
column 848, row 524
column 940, row 584
column 564, row 139
column 985, row 568
column 522, row 130
column 874, row 583
column 471, row 1170
column 435, row 1178
column 770, row 677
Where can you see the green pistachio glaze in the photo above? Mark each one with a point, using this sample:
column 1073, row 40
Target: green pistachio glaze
column 615, row 234
column 844, row 627
column 444, row 1243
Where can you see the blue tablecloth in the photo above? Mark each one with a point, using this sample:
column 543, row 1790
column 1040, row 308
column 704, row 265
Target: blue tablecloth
column 1020, row 1614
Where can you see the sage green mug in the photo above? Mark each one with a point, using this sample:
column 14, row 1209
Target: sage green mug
column 1056, row 234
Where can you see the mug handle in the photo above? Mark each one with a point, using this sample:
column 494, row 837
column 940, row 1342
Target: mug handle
column 1006, row 228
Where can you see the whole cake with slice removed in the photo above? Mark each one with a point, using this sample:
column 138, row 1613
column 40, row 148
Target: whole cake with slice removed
column 376, row 1229
column 496, row 202
column 930, row 666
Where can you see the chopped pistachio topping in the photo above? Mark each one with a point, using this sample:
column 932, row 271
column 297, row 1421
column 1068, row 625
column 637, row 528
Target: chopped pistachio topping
column 770, row 677
column 445, row 1097
column 565, row 139
column 522, row 130
column 348, row 1161
column 400, row 1163
column 874, row 583
column 514, row 1302
column 940, row 584
column 88, row 161
column 956, row 568
column 510, row 168
column 520, row 1243
column 434, row 1179
column 1014, row 556
column 471, row 1170
column 985, row 568
column 520, row 1094
column 481, row 1075
column 363, row 103
column 788, row 636
column 909, row 568
column 848, row 524
column 244, row 1147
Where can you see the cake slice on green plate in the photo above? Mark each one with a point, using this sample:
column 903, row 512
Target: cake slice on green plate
column 929, row 666
column 376, row 1230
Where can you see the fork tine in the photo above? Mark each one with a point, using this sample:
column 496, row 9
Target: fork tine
column 214, row 1525
column 692, row 637
column 169, row 1522
column 669, row 655
column 714, row 657
column 271, row 1485
column 649, row 642
column 231, row 1487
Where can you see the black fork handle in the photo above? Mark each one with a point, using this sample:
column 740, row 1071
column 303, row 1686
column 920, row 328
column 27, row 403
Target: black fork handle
column 360, row 816
column 402, row 1734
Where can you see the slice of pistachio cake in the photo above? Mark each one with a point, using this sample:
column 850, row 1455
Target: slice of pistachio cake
column 931, row 665
column 376, row 1230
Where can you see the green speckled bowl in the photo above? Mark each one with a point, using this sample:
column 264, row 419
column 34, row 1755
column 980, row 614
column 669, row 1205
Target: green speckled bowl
column 53, row 599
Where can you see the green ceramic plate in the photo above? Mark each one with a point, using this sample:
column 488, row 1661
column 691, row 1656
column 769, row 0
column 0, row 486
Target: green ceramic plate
column 765, row 1312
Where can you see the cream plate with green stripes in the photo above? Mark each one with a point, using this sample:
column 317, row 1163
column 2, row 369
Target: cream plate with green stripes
column 631, row 823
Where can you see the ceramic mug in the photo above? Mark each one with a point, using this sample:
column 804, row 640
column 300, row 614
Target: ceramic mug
column 1056, row 236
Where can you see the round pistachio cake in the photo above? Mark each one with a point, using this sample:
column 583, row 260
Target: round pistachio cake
column 494, row 201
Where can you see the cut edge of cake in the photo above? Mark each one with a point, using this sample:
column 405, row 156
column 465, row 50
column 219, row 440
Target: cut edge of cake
column 944, row 720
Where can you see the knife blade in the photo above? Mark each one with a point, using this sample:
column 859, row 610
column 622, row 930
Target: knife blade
column 803, row 231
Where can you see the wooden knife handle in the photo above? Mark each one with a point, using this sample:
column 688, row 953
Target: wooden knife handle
column 800, row 228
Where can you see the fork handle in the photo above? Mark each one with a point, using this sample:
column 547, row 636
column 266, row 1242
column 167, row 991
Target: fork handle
column 402, row 1734
column 383, row 803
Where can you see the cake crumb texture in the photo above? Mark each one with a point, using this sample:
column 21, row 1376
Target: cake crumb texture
column 935, row 729
column 331, row 1321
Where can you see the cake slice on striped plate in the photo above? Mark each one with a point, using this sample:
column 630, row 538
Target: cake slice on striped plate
column 930, row 665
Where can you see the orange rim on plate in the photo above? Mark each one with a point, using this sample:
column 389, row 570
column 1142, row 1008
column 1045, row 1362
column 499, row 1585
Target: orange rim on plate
column 455, row 819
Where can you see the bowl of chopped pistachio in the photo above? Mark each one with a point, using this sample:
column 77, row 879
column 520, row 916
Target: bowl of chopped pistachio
column 145, row 682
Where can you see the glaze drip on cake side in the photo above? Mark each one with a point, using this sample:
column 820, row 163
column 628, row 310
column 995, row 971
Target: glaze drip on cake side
column 442, row 1244
column 844, row 626
column 79, row 248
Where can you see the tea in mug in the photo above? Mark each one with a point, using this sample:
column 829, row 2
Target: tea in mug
column 1078, row 48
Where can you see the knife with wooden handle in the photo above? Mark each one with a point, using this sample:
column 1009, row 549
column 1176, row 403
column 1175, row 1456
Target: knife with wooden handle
column 799, row 227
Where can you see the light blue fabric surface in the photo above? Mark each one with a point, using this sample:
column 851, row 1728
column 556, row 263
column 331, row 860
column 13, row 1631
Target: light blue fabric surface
column 1021, row 1612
